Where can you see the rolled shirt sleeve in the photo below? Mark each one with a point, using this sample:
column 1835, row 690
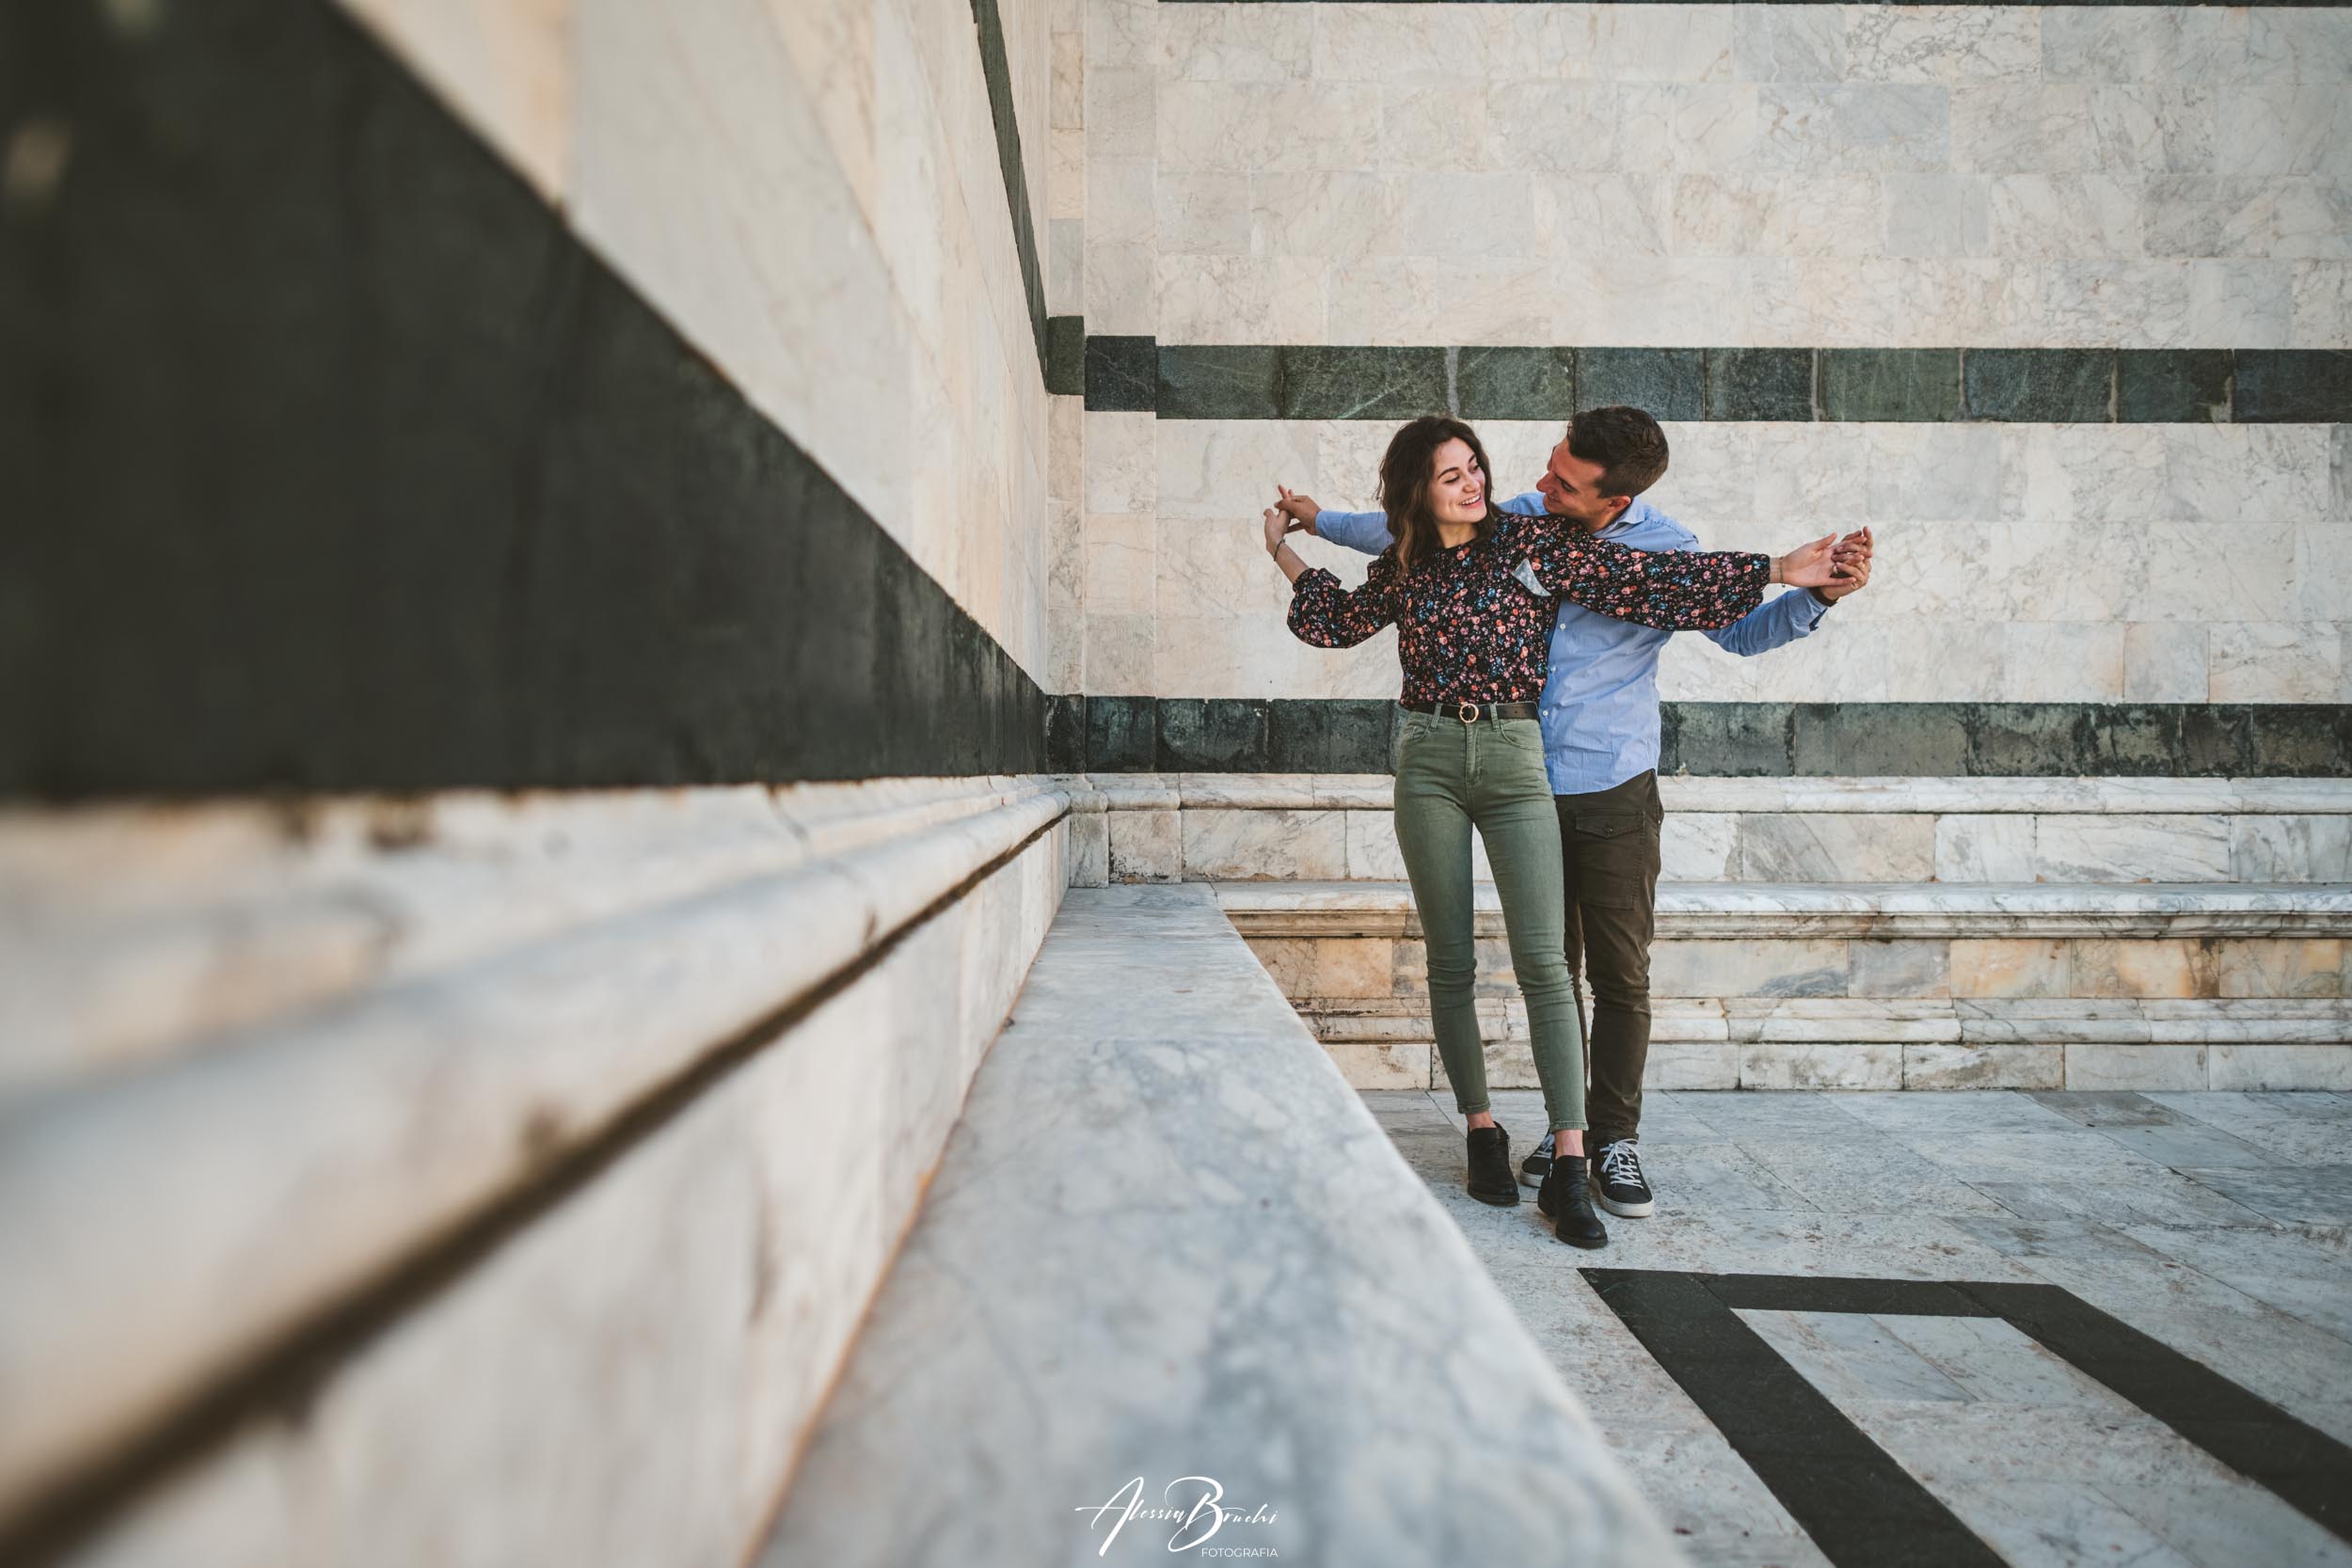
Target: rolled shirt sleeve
column 1327, row 615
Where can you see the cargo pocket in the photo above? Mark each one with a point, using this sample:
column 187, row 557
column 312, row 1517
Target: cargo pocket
column 1615, row 858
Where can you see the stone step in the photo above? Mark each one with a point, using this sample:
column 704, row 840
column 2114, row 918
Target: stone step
column 555, row 1103
column 132, row 934
column 1166, row 1241
column 1919, row 986
column 1881, row 1065
column 1839, row 1043
column 1765, row 1021
column 1740, row 910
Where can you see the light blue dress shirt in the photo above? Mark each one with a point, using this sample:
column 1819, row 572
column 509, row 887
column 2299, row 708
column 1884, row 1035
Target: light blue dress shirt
column 1600, row 695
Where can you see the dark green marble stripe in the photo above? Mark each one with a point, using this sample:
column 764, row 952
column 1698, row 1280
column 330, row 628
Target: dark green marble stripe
column 333, row 459
column 997, row 70
column 1122, row 377
column 1515, row 383
column 2066, row 385
column 1066, row 355
column 1745, row 739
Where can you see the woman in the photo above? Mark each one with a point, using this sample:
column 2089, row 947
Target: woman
column 1471, row 591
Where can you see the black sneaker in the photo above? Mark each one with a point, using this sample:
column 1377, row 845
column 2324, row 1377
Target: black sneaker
column 1622, row 1189
column 1566, row 1198
column 1491, row 1168
column 1537, row 1165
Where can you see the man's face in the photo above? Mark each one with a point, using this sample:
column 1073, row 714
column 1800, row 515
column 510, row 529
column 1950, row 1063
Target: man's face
column 1571, row 489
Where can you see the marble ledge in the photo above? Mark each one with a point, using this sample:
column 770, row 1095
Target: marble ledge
column 539, row 1049
column 139, row 933
column 1736, row 910
column 1135, row 791
column 1833, row 1021
column 1921, row 1068
column 1896, row 795
column 1046, row 1309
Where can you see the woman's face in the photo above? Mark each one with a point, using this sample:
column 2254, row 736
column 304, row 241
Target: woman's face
column 1457, row 487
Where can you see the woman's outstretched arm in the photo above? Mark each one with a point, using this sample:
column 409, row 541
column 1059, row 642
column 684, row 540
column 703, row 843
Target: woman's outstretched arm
column 1323, row 612
column 1671, row 589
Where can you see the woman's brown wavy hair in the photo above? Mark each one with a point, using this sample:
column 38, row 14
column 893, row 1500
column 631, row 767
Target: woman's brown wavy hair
column 1405, row 475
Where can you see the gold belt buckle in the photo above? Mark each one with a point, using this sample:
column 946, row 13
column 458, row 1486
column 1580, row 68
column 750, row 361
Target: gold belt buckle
column 1468, row 714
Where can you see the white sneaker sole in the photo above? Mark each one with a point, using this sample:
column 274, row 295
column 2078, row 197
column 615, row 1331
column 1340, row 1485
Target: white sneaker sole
column 1625, row 1211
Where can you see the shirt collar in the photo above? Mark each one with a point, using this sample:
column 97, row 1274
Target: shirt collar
column 1637, row 512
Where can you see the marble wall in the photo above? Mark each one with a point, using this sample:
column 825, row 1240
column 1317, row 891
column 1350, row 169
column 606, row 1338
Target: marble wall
column 1701, row 175
column 811, row 192
column 563, row 1138
column 553, row 1142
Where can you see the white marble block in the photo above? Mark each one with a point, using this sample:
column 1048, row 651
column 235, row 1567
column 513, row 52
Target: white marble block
column 1820, row 847
column 1985, row 847
column 1788, row 1065
column 2133, row 848
column 1146, row 847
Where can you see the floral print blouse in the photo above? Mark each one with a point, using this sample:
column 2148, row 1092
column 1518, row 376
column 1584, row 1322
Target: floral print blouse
column 1474, row 622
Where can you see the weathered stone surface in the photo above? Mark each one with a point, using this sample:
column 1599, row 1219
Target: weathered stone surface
column 1152, row 1054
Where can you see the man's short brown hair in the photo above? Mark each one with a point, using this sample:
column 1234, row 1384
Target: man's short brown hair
column 1626, row 442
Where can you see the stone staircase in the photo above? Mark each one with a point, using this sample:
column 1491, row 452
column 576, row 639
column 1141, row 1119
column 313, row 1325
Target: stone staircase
column 1837, row 933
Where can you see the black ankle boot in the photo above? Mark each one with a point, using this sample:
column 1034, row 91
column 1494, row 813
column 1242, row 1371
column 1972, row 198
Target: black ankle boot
column 1490, row 1178
column 1566, row 1198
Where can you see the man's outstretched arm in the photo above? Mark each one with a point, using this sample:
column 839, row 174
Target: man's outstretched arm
column 1786, row 617
column 1775, row 624
column 1368, row 531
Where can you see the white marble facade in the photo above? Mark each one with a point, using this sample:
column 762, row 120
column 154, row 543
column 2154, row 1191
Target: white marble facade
column 2028, row 563
column 1855, row 175
column 810, row 191
column 1732, row 176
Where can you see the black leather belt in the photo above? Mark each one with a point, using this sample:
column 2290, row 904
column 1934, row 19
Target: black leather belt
column 1470, row 713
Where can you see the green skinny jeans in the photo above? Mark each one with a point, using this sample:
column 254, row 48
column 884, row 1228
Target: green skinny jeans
column 1452, row 777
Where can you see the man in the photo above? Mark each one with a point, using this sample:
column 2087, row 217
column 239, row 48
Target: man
column 1600, row 725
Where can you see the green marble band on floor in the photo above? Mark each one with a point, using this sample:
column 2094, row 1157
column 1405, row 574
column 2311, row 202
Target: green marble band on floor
column 2059, row 385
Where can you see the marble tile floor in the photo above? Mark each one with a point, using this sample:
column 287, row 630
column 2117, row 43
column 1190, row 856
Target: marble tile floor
column 2214, row 1222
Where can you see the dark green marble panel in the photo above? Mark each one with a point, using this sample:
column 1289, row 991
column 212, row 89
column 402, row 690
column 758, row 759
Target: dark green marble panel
column 2172, row 386
column 1760, row 384
column 1066, row 733
column 2048, row 385
column 1895, row 384
column 1123, row 374
column 1212, row 735
column 1329, row 735
column 2298, row 738
column 1515, row 383
column 1880, row 739
column 2294, row 385
column 1337, row 382
column 1121, row 735
column 1729, row 740
column 1231, row 381
column 1065, row 355
column 1668, row 382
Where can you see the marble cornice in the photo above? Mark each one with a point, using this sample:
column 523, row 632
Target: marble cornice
column 1739, row 910
column 1932, row 795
